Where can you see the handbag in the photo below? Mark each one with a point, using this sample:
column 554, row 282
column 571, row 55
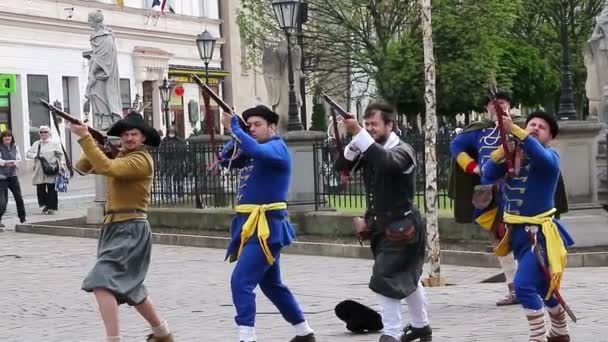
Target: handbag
column 61, row 182
column 47, row 168
column 402, row 229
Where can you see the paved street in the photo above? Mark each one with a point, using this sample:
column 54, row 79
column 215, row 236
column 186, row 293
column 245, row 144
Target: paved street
column 40, row 298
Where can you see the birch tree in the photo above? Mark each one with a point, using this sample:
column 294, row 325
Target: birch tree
column 432, row 224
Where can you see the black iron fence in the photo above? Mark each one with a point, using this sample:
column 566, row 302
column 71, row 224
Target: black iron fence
column 182, row 179
column 352, row 197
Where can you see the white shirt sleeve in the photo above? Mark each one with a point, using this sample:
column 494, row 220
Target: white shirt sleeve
column 351, row 152
column 362, row 141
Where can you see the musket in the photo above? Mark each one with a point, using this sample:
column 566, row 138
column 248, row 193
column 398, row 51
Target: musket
column 541, row 260
column 334, row 105
column 208, row 92
column 102, row 141
column 502, row 131
column 345, row 174
column 223, row 105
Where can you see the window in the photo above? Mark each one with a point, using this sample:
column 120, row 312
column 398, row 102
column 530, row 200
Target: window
column 37, row 88
column 65, row 85
column 125, row 94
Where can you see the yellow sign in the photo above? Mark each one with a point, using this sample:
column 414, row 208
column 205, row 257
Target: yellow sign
column 3, row 127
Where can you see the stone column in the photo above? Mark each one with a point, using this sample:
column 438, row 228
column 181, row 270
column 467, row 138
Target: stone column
column 577, row 144
column 302, row 189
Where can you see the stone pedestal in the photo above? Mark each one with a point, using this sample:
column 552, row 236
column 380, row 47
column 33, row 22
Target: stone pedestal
column 95, row 213
column 577, row 146
column 302, row 189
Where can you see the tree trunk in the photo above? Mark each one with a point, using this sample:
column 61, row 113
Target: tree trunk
column 432, row 225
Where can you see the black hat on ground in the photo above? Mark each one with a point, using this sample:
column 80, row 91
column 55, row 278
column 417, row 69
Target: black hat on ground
column 263, row 112
column 134, row 120
column 553, row 126
column 359, row 318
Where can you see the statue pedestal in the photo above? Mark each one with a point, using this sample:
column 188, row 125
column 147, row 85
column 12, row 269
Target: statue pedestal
column 302, row 188
column 95, row 213
column 577, row 146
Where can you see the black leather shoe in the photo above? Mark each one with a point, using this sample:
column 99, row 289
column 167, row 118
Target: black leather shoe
column 424, row 334
column 308, row 338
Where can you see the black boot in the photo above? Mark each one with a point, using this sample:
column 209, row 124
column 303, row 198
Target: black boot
column 425, row 334
column 307, row 338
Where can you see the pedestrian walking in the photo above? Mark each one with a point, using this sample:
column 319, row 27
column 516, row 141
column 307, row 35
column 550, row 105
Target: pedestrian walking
column 10, row 158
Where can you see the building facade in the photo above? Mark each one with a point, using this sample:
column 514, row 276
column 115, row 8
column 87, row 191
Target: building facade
column 41, row 56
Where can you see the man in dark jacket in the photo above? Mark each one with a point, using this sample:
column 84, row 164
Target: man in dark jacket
column 395, row 227
column 173, row 163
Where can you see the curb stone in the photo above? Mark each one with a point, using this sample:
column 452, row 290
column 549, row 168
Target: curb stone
column 448, row 257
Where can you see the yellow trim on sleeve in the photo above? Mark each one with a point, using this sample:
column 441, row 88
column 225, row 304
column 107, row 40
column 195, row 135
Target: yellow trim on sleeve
column 519, row 132
column 463, row 159
column 498, row 154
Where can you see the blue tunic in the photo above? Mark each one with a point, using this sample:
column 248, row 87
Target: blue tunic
column 264, row 178
column 530, row 193
column 480, row 142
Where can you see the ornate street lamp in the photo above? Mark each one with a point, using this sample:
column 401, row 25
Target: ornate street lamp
column 566, row 100
column 165, row 95
column 288, row 17
column 206, row 44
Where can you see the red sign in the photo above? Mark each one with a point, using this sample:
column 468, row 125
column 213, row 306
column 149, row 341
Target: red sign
column 179, row 90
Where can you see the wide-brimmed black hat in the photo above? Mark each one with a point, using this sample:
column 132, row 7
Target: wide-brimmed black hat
column 500, row 94
column 359, row 318
column 553, row 126
column 263, row 112
column 134, row 120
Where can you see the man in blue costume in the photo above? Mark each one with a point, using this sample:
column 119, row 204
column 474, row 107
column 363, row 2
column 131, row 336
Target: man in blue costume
column 529, row 208
column 266, row 169
column 471, row 150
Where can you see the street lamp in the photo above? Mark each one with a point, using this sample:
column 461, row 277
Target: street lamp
column 165, row 95
column 206, row 44
column 566, row 100
column 288, row 16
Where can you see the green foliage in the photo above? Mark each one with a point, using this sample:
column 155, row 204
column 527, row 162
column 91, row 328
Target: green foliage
column 319, row 118
column 514, row 43
column 319, row 114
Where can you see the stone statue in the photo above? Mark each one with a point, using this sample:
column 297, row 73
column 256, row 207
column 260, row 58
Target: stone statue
column 103, row 89
column 595, row 55
column 276, row 77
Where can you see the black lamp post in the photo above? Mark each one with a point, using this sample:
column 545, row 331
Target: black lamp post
column 165, row 95
column 566, row 100
column 206, row 44
column 288, row 16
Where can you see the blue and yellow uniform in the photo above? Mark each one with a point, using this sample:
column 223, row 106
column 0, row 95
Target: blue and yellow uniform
column 472, row 148
column 261, row 227
column 528, row 204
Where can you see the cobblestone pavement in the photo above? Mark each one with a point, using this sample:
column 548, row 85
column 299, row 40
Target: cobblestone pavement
column 41, row 300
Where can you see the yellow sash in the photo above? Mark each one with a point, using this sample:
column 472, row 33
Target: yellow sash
column 257, row 220
column 556, row 251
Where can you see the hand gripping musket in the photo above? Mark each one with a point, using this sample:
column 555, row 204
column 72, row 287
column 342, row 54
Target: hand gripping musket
column 500, row 113
column 209, row 93
column 102, row 141
column 345, row 174
column 538, row 251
